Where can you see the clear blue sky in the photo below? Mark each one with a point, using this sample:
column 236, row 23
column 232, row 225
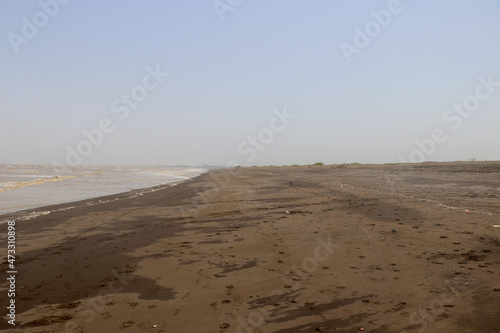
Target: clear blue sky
column 226, row 77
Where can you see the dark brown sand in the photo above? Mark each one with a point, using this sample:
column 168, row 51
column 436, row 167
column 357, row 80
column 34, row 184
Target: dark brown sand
column 290, row 249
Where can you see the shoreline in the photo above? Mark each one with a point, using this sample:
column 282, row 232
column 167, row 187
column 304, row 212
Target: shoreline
column 272, row 249
column 26, row 188
column 27, row 214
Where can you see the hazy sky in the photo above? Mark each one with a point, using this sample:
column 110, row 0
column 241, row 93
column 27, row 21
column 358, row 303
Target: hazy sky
column 351, row 81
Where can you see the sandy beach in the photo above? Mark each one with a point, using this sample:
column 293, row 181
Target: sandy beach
column 342, row 248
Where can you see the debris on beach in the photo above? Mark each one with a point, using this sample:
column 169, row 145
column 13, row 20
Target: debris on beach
column 297, row 212
column 467, row 211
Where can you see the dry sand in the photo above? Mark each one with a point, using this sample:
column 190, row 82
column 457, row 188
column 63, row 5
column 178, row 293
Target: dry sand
column 290, row 249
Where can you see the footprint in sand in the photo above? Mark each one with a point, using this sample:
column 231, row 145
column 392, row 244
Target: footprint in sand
column 224, row 325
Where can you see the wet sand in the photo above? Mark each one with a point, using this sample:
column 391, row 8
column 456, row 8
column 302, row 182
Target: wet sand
column 385, row 248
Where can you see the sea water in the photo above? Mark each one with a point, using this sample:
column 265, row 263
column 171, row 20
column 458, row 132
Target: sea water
column 29, row 186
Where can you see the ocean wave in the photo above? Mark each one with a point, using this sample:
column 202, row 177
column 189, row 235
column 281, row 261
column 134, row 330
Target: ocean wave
column 40, row 181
